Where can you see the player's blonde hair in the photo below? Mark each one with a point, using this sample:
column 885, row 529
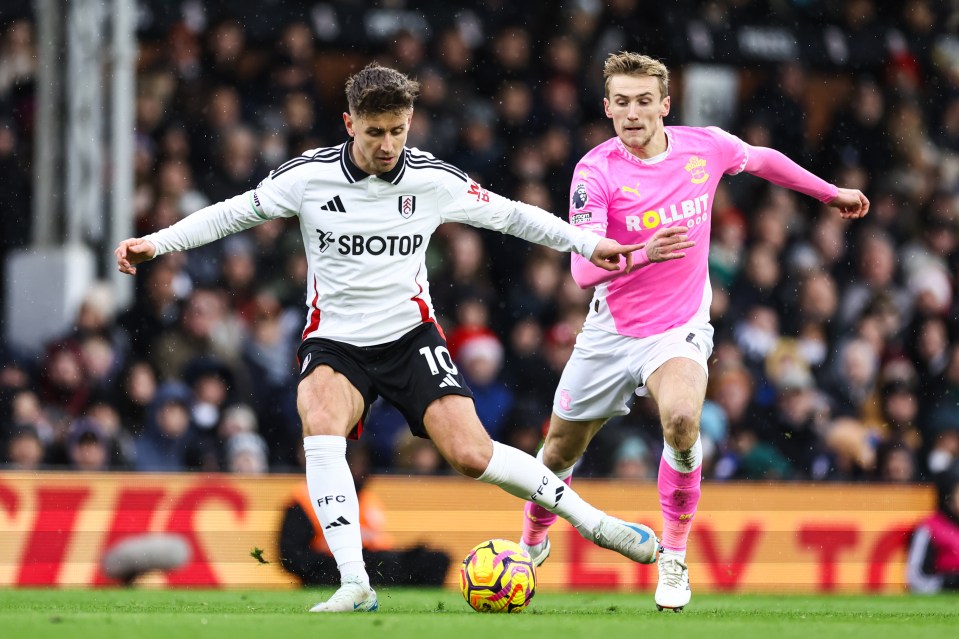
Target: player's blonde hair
column 377, row 89
column 628, row 63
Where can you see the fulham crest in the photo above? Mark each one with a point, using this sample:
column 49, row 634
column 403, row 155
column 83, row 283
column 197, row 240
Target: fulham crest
column 407, row 204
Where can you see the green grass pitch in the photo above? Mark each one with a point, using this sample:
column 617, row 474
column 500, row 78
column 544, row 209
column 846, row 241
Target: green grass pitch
column 426, row 613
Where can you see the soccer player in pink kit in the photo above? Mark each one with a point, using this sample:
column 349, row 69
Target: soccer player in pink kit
column 650, row 328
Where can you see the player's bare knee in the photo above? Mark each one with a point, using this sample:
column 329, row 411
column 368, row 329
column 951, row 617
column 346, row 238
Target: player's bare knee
column 317, row 419
column 313, row 425
column 556, row 458
column 681, row 428
column 467, row 461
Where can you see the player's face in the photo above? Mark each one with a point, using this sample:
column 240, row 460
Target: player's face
column 378, row 139
column 637, row 108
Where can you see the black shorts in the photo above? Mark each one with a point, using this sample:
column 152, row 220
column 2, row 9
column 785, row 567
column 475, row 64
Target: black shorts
column 409, row 373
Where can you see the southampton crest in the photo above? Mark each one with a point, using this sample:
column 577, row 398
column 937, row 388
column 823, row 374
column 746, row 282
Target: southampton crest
column 407, row 205
column 697, row 168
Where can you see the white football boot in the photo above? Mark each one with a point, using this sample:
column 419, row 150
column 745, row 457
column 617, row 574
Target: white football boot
column 537, row 553
column 672, row 592
column 636, row 541
column 352, row 596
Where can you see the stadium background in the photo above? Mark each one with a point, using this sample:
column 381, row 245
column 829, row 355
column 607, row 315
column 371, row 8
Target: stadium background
column 836, row 356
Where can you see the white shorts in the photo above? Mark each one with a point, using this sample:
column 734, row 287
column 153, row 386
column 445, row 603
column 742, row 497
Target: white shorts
column 606, row 368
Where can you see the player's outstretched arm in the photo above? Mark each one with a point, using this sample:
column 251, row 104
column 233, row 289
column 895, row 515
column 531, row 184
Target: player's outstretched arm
column 852, row 204
column 133, row 251
column 666, row 244
column 607, row 253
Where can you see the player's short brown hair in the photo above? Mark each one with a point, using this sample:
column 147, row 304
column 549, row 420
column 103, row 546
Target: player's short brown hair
column 377, row 89
column 627, row 63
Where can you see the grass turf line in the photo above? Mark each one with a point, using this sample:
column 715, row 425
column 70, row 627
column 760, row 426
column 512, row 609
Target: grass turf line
column 414, row 613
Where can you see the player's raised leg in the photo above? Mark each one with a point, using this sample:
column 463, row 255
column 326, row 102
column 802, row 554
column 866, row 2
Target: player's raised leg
column 680, row 471
column 565, row 443
column 452, row 423
column 537, row 520
column 329, row 406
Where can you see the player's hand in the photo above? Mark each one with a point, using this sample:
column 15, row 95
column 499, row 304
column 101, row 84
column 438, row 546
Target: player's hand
column 133, row 251
column 852, row 204
column 607, row 253
column 669, row 243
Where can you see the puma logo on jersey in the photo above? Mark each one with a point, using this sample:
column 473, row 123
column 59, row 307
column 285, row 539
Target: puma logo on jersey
column 629, row 189
column 336, row 204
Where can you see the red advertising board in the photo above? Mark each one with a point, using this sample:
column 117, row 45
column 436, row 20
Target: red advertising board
column 55, row 527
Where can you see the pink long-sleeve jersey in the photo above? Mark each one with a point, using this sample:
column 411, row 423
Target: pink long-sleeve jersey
column 616, row 194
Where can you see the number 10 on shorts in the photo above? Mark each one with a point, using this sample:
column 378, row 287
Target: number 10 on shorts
column 442, row 357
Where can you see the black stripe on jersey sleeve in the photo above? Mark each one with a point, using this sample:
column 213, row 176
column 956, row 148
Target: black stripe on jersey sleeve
column 324, row 156
column 425, row 158
column 319, row 155
column 422, row 162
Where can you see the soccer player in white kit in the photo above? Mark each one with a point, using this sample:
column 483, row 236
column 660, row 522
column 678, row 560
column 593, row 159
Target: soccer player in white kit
column 653, row 184
column 367, row 209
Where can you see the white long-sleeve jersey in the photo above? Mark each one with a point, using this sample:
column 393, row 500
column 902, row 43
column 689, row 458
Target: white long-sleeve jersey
column 366, row 236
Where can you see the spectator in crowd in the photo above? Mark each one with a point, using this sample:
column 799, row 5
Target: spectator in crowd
column 875, row 273
column 89, row 448
column 895, row 463
column 167, row 442
column 23, row 449
column 480, row 354
column 798, row 420
column 135, row 390
column 63, row 384
column 631, row 460
column 246, row 454
column 205, row 329
column 157, row 308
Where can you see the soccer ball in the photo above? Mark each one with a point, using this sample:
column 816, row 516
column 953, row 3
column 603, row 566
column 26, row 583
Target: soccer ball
column 498, row 576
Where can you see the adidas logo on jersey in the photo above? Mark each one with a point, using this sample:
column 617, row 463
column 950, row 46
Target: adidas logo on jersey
column 336, row 204
column 336, row 523
column 449, row 381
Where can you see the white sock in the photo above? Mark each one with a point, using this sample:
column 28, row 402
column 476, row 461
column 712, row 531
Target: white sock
column 523, row 476
column 684, row 461
column 333, row 495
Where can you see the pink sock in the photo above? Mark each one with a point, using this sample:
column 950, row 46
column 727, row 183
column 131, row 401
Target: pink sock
column 537, row 520
column 678, row 496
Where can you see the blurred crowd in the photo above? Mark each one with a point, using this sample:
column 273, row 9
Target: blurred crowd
column 837, row 344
